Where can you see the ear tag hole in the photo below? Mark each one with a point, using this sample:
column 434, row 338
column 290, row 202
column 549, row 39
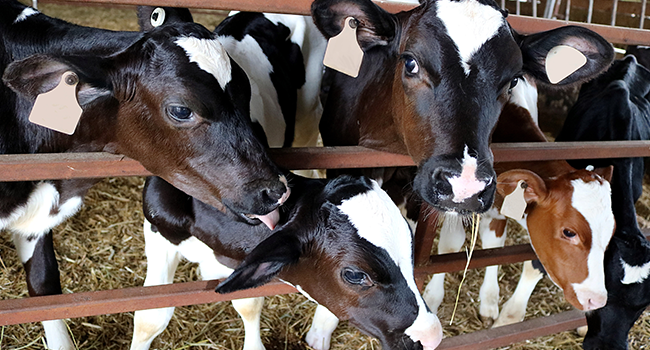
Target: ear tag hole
column 58, row 109
column 515, row 204
column 563, row 61
column 343, row 52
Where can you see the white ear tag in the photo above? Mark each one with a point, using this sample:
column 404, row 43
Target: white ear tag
column 514, row 204
column 58, row 109
column 562, row 61
column 343, row 52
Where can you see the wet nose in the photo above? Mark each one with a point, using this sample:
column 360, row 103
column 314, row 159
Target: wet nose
column 276, row 192
column 595, row 301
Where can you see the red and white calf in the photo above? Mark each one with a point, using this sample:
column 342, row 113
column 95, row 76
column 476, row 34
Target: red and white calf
column 186, row 120
column 341, row 242
column 568, row 217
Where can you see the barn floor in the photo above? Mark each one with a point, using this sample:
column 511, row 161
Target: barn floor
column 102, row 248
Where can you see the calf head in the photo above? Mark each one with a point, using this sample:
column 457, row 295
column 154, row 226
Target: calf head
column 627, row 267
column 570, row 223
column 348, row 248
column 433, row 83
column 177, row 103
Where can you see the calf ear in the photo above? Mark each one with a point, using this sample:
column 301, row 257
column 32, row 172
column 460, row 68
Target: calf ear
column 263, row 263
column 535, row 186
column 598, row 52
column 38, row 74
column 376, row 26
column 605, row 172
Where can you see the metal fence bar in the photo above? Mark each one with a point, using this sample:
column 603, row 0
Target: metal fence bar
column 642, row 19
column 614, row 10
column 567, row 11
column 590, row 11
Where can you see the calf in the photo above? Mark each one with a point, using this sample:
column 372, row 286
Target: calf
column 432, row 84
column 616, row 106
column 568, row 217
column 167, row 116
column 346, row 231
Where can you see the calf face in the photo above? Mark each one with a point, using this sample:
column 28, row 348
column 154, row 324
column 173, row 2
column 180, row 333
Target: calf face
column 176, row 102
column 432, row 85
column 349, row 248
column 570, row 223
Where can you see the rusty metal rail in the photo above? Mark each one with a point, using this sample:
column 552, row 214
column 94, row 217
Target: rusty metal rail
column 27, row 167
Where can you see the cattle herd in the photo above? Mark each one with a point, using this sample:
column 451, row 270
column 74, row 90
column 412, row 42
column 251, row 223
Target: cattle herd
column 199, row 107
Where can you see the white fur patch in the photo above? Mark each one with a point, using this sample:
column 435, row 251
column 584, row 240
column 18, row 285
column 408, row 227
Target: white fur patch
column 265, row 107
column 466, row 184
column 524, row 95
column 470, row 24
column 210, row 55
column 635, row 274
column 593, row 201
column 28, row 11
column 35, row 218
column 380, row 222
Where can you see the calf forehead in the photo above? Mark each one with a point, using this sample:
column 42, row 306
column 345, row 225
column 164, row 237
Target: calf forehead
column 209, row 55
column 380, row 222
column 593, row 200
column 470, row 24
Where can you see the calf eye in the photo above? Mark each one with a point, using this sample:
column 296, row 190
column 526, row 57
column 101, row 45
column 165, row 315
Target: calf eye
column 568, row 234
column 356, row 277
column 179, row 113
column 411, row 65
column 157, row 17
column 513, row 83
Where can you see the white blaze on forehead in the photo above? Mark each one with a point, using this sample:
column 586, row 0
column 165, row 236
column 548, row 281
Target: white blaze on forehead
column 28, row 11
column 635, row 274
column 210, row 55
column 469, row 24
column 466, row 184
column 593, row 200
column 379, row 221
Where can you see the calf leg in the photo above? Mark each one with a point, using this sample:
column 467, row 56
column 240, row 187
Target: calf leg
column 492, row 236
column 250, row 310
column 514, row 310
column 162, row 261
column 36, row 252
column 322, row 327
column 452, row 237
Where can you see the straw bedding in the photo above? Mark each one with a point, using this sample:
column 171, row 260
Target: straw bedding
column 102, row 247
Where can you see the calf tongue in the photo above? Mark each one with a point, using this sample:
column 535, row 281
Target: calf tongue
column 271, row 219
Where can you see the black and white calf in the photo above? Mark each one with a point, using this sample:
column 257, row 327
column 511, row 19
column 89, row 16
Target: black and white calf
column 341, row 242
column 155, row 97
column 616, row 106
column 282, row 56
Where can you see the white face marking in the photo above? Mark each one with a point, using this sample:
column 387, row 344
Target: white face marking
column 466, row 184
column 635, row 274
column 469, row 24
column 525, row 95
column 380, row 222
column 28, row 11
column 265, row 106
column 35, row 218
column 210, row 55
column 593, row 200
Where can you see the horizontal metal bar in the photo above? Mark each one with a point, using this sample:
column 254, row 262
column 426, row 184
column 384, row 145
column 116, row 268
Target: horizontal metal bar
column 522, row 24
column 15, row 311
column 29, row 167
column 514, row 333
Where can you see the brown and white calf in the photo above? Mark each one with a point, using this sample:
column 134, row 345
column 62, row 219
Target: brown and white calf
column 568, row 217
column 432, row 84
column 341, row 242
column 153, row 97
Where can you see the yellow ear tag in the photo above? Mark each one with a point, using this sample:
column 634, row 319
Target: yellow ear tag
column 343, row 52
column 562, row 61
column 514, row 204
column 58, row 109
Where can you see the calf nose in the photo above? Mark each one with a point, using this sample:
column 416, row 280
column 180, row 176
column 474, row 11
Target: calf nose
column 427, row 330
column 596, row 301
column 276, row 192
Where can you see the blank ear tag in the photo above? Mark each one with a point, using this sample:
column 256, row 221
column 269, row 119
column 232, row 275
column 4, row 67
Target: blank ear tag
column 514, row 204
column 343, row 52
column 562, row 61
column 58, row 109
